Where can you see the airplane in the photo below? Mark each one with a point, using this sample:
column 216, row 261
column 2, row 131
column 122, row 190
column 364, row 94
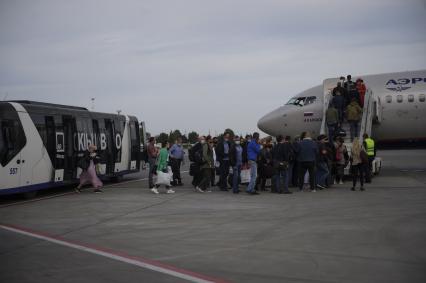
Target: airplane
column 399, row 108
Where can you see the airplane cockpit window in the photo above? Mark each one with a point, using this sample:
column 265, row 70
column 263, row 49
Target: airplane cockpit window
column 388, row 98
column 422, row 97
column 299, row 101
column 410, row 98
column 399, row 98
column 310, row 100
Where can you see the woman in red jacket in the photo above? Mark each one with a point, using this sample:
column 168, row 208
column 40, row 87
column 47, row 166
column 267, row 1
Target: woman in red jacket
column 360, row 86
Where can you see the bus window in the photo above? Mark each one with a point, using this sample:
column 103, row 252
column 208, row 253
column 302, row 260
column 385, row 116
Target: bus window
column 422, row 97
column 299, row 101
column 310, row 100
column 399, row 98
column 389, row 98
column 12, row 137
column 410, row 98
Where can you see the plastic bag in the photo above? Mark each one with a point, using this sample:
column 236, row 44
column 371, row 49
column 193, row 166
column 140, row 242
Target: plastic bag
column 164, row 178
column 245, row 176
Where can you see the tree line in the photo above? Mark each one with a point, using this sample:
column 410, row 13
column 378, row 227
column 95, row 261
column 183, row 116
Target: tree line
column 171, row 137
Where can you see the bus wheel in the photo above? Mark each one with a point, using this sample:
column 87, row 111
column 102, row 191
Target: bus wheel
column 116, row 179
column 30, row 195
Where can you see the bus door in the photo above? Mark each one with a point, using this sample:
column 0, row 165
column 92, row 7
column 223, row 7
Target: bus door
column 12, row 140
column 70, row 150
column 110, row 148
column 135, row 145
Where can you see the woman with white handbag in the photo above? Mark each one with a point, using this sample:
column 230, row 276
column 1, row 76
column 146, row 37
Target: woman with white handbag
column 164, row 174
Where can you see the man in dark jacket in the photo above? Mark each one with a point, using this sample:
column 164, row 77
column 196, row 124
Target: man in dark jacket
column 281, row 156
column 222, row 156
column 307, row 151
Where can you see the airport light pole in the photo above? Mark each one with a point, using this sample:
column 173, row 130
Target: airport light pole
column 93, row 103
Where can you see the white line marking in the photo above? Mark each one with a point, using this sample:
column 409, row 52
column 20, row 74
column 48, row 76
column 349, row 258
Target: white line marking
column 144, row 263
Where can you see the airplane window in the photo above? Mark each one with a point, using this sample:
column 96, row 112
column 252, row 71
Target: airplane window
column 389, row 98
column 410, row 98
column 422, row 97
column 399, row 98
column 299, row 101
column 310, row 100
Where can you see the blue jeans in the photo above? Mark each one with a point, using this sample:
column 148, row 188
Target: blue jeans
column 236, row 179
column 331, row 130
column 289, row 175
column 322, row 173
column 281, row 175
column 253, row 176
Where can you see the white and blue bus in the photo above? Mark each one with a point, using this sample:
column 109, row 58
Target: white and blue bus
column 41, row 144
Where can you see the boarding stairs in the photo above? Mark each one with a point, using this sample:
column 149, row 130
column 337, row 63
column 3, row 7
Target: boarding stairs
column 370, row 115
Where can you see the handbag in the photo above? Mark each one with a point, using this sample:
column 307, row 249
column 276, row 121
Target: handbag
column 281, row 165
column 245, row 175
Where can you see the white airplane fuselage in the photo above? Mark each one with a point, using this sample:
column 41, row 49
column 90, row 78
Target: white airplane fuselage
column 401, row 109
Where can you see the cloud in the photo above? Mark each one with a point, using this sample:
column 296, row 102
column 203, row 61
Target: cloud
column 199, row 64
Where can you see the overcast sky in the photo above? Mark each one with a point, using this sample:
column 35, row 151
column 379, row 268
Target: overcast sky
column 199, row 65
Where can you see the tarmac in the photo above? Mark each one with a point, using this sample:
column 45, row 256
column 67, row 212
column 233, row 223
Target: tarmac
column 127, row 234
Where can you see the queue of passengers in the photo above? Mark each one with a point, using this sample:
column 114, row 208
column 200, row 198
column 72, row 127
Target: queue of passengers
column 347, row 102
column 304, row 163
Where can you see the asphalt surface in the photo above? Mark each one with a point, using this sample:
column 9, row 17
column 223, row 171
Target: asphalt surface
column 334, row 235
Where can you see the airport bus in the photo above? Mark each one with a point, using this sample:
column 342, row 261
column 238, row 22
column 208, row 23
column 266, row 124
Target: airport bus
column 41, row 144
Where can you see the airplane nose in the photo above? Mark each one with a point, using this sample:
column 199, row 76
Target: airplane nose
column 267, row 122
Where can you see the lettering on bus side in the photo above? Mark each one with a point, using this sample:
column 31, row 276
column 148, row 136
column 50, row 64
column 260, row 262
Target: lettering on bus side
column 84, row 140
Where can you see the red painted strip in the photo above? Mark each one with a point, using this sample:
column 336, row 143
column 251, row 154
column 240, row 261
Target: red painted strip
column 117, row 253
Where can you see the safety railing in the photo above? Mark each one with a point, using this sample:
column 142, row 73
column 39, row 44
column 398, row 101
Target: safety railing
column 367, row 114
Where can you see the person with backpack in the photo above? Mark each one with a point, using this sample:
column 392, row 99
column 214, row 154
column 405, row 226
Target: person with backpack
column 307, row 152
column 195, row 157
column 354, row 114
column 222, row 156
column 265, row 168
column 152, row 154
column 207, row 164
column 332, row 120
column 281, row 156
column 341, row 160
column 236, row 161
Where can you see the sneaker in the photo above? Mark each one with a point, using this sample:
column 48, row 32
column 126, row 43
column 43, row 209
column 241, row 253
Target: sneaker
column 199, row 190
column 170, row 191
column 208, row 190
column 334, row 182
column 321, row 187
column 155, row 191
column 340, row 182
column 314, row 191
column 97, row 190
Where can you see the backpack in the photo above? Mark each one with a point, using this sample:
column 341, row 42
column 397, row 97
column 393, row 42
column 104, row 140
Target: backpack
column 195, row 153
column 339, row 155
